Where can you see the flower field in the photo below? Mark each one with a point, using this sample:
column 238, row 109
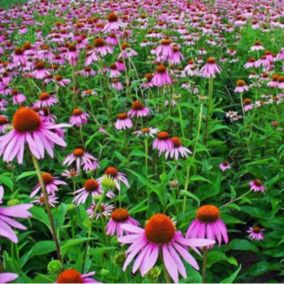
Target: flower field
column 142, row 141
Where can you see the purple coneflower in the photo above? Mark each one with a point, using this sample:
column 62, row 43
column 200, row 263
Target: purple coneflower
column 164, row 51
column 71, row 173
column 4, row 123
column 7, row 223
column 60, row 81
column 78, row 117
column 18, row 98
column 116, row 84
column 119, row 217
column 161, row 77
column 177, row 149
column 123, row 121
column 224, row 166
column 28, row 127
column 147, row 81
column 208, row 225
column 45, row 100
column 52, row 200
column 256, row 233
column 159, row 236
column 257, row 46
column 163, row 142
column 138, row 110
column 114, row 24
column 72, row 54
column 241, row 87
column 210, row 69
column 176, row 56
column 40, row 72
column 82, row 159
column 147, row 132
column 256, row 185
column 103, row 211
column 101, row 48
column 8, row 277
column 51, row 184
column 248, row 105
column 73, row 276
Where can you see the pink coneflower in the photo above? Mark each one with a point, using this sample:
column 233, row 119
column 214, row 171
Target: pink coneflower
column 256, row 185
column 138, row 110
column 176, row 56
column 159, row 237
column 112, row 39
column 70, row 173
column 123, row 121
column 177, row 149
column 161, row 77
column 60, row 81
column 163, row 142
column 28, row 127
column 8, row 277
column 78, row 117
column 224, row 166
column 52, row 200
column 274, row 81
column 116, row 84
column 281, row 82
column 19, row 57
column 256, row 233
column 147, row 132
column 119, row 217
column 7, row 223
column 208, row 225
column 126, row 51
column 103, row 211
column 87, row 72
column 91, row 188
column 257, row 46
column 101, row 48
column 4, row 123
column 73, row 276
column 164, row 51
column 250, row 63
column 88, row 93
column 114, row 24
column 248, row 105
column 117, row 176
column 113, row 71
column 72, row 54
column 82, row 159
column 45, row 100
column 18, row 98
column 120, row 65
column 40, row 72
column 147, row 82
column 241, row 87
column 3, row 104
column 51, row 184
column 210, row 69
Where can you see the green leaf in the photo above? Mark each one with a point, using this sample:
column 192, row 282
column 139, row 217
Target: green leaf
column 39, row 214
column 43, row 247
column 59, row 214
column 73, row 242
column 198, row 178
column 191, row 195
column 238, row 244
column 6, row 180
column 26, row 174
column 232, row 278
column 218, row 256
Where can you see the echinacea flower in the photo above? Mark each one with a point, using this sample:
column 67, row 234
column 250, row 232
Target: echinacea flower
column 161, row 77
column 103, row 211
column 159, row 236
column 177, row 149
column 7, row 277
column 256, row 233
column 210, row 69
column 91, row 188
column 119, row 217
column 28, row 127
column 45, row 100
column 257, row 46
column 74, row 276
column 146, row 131
column 117, row 176
column 208, row 224
column 123, row 121
column 138, row 110
column 101, row 48
column 40, row 72
column 163, row 142
column 71, row 173
column 241, row 87
column 82, row 159
column 7, row 215
column 114, row 24
column 78, row 117
column 51, row 184
column 52, row 200
column 257, row 185
column 224, row 166
column 4, row 123
column 248, row 105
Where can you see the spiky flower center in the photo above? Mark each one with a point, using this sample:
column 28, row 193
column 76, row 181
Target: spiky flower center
column 112, row 17
column 176, row 141
column 257, row 182
column 149, row 77
column 69, row 276
column 47, row 178
column 145, row 130
column 256, row 229
column 166, row 41
column 111, row 171
column 120, row 215
column 163, row 135
column 122, row 116
column 3, row 120
column 77, row 112
column 44, row 96
column 78, row 152
column 72, row 47
column 26, row 120
column 58, row 77
column 91, row 185
column 137, row 105
column 247, row 101
column 161, row 68
column 160, row 229
column 241, row 83
column 27, row 45
column 208, row 214
column 19, row 51
column 275, row 77
column 99, row 42
column 211, row 60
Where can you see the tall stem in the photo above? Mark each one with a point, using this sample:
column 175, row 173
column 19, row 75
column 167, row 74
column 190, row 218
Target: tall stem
column 205, row 253
column 193, row 156
column 48, row 210
column 146, row 166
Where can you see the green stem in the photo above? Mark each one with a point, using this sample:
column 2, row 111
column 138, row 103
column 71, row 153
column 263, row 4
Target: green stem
column 146, row 166
column 205, row 253
column 48, row 210
column 232, row 201
column 181, row 120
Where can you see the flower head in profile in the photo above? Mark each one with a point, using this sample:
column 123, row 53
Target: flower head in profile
column 256, row 185
column 210, row 69
column 45, row 100
column 159, row 237
column 114, row 24
column 138, row 110
column 256, row 233
column 74, row 276
column 7, row 215
column 177, row 150
column 29, row 128
column 161, row 77
column 104, row 210
column 241, row 87
column 146, row 132
column 163, row 142
column 40, row 200
column 123, row 121
column 224, row 166
column 78, row 117
column 208, row 224
column 119, row 217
